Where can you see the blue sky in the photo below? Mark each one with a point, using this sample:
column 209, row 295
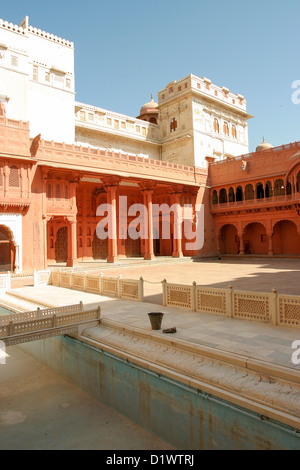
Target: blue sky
column 127, row 49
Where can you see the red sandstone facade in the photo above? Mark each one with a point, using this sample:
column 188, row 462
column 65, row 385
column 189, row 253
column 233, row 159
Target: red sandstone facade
column 251, row 202
column 255, row 201
column 57, row 188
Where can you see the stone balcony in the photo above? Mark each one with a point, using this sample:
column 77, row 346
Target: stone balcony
column 282, row 201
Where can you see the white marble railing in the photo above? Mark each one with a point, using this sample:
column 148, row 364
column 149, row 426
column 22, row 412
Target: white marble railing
column 270, row 307
column 4, row 282
column 130, row 289
column 41, row 278
column 41, row 323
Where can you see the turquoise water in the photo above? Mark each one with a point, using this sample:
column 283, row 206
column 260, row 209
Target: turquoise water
column 5, row 311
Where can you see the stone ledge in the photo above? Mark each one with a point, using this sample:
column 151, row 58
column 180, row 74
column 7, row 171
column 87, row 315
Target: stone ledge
column 269, row 390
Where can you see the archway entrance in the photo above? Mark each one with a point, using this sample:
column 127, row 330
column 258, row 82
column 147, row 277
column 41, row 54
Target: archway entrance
column 61, row 245
column 229, row 240
column 286, row 239
column 7, row 250
column 100, row 247
column 255, row 239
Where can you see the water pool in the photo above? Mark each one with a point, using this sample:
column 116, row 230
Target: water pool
column 5, row 311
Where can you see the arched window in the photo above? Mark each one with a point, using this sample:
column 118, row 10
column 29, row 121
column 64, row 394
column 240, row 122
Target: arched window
column 233, row 131
column 298, row 182
column 14, row 179
column 239, row 194
column 216, row 125
column 260, row 194
column 279, row 189
column 226, row 128
column 231, row 196
column 268, row 189
column 215, row 197
column 288, row 188
column 249, row 192
column 223, row 196
column 173, row 125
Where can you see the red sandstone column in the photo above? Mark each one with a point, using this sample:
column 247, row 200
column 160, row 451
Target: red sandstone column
column 270, row 238
column 45, row 221
column 111, row 185
column 84, row 225
column 177, row 248
column 240, row 235
column 149, row 253
column 147, row 189
column 5, row 176
column 44, row 217
column 72, row 261
column 218, row 239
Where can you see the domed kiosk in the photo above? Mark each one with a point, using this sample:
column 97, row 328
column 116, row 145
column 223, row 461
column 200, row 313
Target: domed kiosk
column 264, row 146
column 149, row 111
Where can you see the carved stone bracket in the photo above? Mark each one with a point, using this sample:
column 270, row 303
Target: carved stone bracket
column 176, row 188
column 147, row 185
column 111, row 181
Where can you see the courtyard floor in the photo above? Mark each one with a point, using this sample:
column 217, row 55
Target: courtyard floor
column 255, row 274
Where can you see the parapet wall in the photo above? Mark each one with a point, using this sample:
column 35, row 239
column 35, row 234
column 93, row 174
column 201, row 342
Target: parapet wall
column 204, row 87
column 36, row 31
column 261, row 164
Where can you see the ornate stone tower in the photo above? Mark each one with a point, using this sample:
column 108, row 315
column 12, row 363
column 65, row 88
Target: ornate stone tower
column 198, row 119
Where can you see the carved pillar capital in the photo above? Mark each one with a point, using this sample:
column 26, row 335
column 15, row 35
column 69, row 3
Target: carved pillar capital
column 175, row 189
column 111, row 181
column 147, row 185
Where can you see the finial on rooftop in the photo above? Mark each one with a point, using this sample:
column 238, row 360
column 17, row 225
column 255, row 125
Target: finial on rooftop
column 25, row 23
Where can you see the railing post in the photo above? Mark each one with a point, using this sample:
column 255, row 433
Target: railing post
column 119, row 290
column 99, row 311
column 81, row 306
column 193, row 299
column 274, row 309
column 85, row 274
column 141, row 289
column 101, row 283
column 229, row 301
column 71, row 279
column 164, row 289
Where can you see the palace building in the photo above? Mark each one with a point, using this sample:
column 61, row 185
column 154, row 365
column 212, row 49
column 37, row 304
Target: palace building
column 61, row 159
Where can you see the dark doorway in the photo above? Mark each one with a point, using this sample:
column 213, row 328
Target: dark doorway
column 61, row 245
column 7, row 250
column 100, row 247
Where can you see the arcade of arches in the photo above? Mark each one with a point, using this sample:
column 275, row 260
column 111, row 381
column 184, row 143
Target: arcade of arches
column 255, row 239
column 258, row 190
